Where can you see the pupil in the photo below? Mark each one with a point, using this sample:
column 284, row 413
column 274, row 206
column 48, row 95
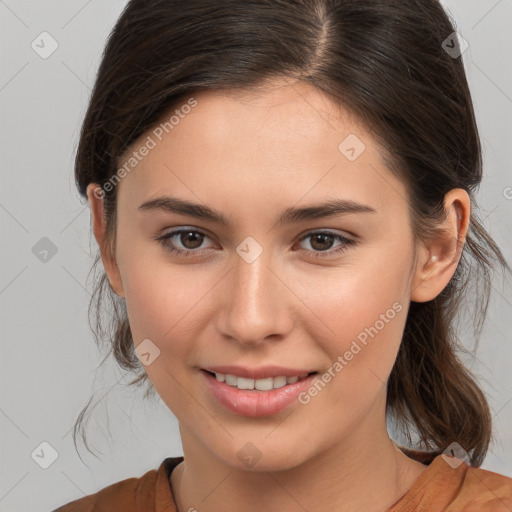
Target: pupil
column 321, row 237
column 193, row 237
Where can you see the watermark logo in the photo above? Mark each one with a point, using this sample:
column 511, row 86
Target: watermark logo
column 249, row 250
column 249, row 455
column 455, row 455
column 147, row 352
column 352, row 147
column 44, row 250
column 454, row 45
column 44, row 45
column 44, row 455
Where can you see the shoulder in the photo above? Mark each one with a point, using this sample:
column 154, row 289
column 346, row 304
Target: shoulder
column 118, row 496
column 450, row 484
column 134, row 494
column 484, row 491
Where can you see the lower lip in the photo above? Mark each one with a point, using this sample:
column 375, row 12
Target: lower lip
column 255, row 403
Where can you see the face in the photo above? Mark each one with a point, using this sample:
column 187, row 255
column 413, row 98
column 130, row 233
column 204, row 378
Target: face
column 267, row 292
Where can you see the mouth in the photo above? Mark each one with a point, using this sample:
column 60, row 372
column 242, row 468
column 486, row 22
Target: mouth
column 257, row 397
column 263, row 384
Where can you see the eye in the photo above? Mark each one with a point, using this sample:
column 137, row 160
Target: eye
column 322, row 241
column 190, row 238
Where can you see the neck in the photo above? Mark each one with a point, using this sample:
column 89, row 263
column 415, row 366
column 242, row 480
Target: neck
column 337, row 478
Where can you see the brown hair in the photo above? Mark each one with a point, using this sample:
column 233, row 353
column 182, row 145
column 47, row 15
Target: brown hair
column 384, row 61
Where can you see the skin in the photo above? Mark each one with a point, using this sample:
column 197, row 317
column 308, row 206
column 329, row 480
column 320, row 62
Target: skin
column 251, row 155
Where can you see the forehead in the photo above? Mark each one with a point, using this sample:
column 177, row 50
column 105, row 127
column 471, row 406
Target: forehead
column 283, row 113
column 286, row 138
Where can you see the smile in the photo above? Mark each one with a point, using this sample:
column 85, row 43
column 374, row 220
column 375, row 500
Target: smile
column 265, row 384
column 257, row 395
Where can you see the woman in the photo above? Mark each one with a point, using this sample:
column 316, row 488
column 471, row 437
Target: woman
column 283, row 197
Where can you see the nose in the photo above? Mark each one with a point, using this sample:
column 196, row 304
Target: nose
column 256, row 303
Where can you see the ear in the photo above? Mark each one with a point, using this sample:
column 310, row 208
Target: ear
column 438, row 258
column 95, row 196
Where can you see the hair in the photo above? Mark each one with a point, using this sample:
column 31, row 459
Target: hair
column 384, row 62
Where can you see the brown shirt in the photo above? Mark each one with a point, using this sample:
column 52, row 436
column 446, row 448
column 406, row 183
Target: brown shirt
column 440, row 488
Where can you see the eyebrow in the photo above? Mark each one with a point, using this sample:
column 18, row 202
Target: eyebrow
column 289, row 215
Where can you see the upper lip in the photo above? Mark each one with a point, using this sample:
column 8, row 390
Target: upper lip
column 258, row 373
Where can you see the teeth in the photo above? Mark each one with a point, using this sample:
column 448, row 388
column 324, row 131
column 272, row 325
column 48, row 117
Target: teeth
column 279, row 382
column 244, row 383
column 231, row 380
column 263, row 384
column 260, row 384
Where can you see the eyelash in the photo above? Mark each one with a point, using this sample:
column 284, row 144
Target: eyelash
column 346, row 243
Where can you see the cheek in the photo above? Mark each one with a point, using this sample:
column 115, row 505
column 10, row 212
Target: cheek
column 163, row 305
column 362, row 307
column 162, row 301
column 159, row 294
column 361, row 354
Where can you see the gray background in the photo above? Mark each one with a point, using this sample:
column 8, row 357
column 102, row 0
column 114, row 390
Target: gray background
column 49, row 358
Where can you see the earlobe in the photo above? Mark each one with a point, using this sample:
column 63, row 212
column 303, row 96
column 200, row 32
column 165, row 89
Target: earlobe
column 440, row 256
column 95, row 196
